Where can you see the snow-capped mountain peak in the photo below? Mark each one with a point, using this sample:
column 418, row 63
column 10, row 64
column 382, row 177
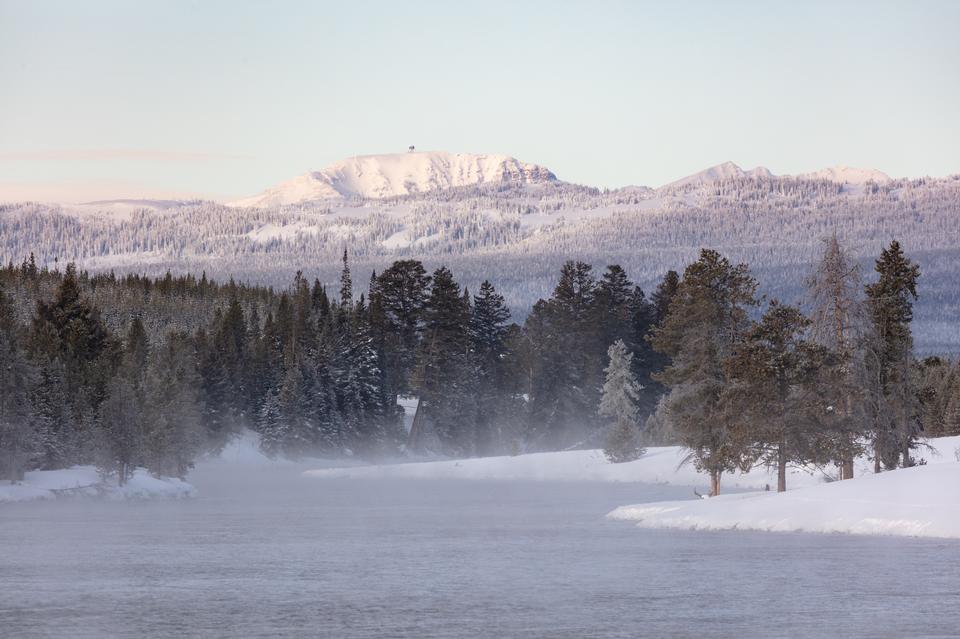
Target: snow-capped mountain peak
column 724, row 171
column 389, row 175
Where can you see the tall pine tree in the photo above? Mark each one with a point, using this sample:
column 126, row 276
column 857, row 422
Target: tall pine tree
column 890, row 304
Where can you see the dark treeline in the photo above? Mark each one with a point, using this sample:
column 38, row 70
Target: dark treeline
column 133, row 371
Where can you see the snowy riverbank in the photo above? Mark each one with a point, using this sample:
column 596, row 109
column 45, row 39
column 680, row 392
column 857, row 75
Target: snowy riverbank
column 85, row 481
column 923, row 501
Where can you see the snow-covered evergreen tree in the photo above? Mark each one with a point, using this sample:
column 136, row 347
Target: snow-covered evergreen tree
column 621, row 391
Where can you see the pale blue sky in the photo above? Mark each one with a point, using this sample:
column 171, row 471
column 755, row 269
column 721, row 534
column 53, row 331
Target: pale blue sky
column 144, row 99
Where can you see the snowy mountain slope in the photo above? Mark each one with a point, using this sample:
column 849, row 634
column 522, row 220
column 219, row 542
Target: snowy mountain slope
column 120, row 209
column 847, row 175
column 383, row 176
column 840, row 174
column 725, row 171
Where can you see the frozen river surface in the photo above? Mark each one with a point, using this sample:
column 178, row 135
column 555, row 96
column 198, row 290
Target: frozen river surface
column 263, row 552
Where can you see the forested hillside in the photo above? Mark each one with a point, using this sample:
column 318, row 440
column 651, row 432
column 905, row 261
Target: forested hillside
column 519, row 235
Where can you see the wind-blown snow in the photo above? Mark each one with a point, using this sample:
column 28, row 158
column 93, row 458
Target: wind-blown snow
column 382, row 176
column 85, row 481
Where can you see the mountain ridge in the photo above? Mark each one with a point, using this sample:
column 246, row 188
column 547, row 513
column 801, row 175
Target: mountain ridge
column 382, row 176
column 391, row 175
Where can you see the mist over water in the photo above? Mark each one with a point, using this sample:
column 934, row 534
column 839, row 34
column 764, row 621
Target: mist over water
column 263, row 552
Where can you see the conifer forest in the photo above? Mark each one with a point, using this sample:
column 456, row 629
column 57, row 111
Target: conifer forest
column 135, row 371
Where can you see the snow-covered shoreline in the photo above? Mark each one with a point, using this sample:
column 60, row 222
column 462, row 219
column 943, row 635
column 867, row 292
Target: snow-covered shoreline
column 923, row 501
column 85, row 481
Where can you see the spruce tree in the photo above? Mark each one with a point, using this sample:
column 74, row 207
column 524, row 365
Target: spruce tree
column 346, row 284
column 704, row 323
column 776, row 393
column 615, row 308
column 400, row 295
column 565, row 364
column 271, row 426
column 173, row 410
column 121, row 423
column 490, row 353
column 890, row 305
column 69, row 336
column 442, row 376
column 621, row 391
column 664, row 294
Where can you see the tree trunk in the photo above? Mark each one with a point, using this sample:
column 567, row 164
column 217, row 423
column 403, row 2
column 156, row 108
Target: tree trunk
column 715, row 482
column 876, row 458
column 846, row 457
column 846, row 467
column 781, row 468
column 907, row 460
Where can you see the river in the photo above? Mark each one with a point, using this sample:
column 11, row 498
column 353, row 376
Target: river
column 265, row 552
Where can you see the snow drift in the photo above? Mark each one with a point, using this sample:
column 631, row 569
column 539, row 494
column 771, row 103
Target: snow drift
column 85, row 481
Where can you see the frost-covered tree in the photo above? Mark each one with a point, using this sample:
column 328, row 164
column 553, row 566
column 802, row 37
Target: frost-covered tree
column 618, row 401
column 838, row 322
column 271, row 426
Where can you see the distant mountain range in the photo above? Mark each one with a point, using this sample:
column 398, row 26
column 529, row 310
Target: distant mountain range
column 393, row 175
column 514, row 223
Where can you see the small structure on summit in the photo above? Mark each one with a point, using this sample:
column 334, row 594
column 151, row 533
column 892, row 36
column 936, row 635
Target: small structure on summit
column 410, row 149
